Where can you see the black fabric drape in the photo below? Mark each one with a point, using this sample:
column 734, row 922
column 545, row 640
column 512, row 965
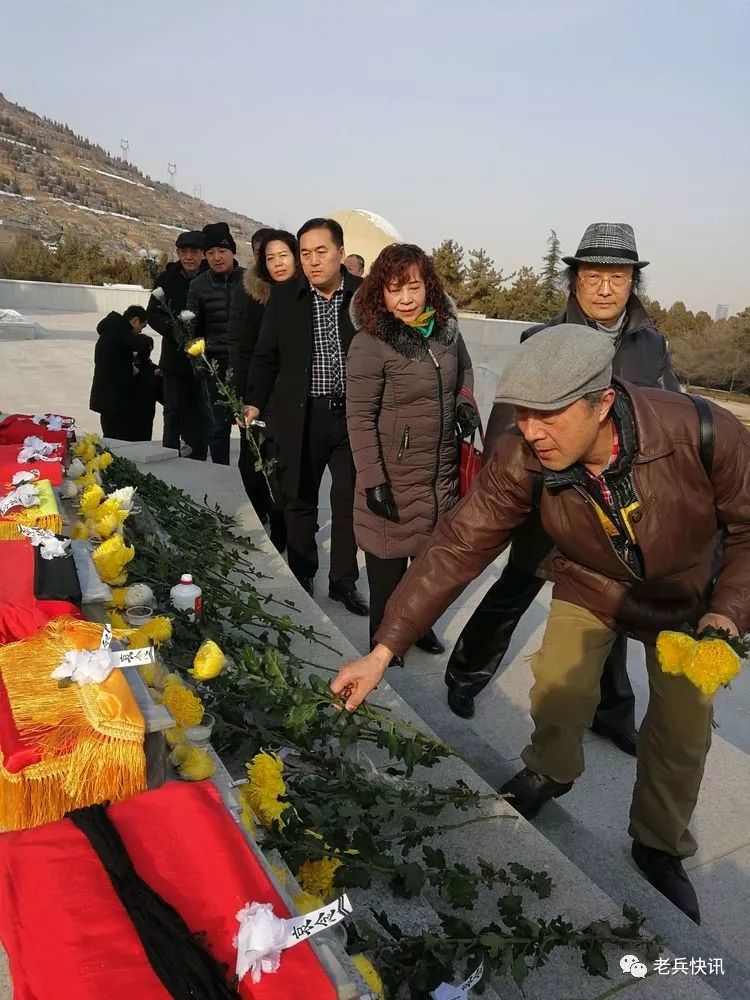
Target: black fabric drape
column 184, row 966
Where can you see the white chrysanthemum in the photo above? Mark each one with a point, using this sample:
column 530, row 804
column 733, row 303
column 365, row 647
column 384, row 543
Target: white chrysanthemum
column 158, row 294
column 124, row 497
column 139, row 595
column 76, row 469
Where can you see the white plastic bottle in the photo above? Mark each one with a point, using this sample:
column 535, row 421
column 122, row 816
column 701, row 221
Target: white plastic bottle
column 186, row 596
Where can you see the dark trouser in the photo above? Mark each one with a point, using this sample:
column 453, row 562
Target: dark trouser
column 186, row 414
column 222, row 420
column 326, row 443
column 118, row 424
column 383, row 576
column 269, row 510
column 486, row 636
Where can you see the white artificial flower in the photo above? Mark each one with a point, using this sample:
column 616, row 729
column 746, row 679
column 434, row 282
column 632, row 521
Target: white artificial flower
column 34, row 448
column 158, row 294
column 186, row 316
column 69, row 489
column 24, row 495
column 85, row 666
column 259, row 941
column 139, row 595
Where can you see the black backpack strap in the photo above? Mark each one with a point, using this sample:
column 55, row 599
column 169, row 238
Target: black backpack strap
column 706, row 431
column 537, row 485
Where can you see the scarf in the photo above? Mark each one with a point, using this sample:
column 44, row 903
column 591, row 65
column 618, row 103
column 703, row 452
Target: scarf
column 614, row 332
column 424, row 323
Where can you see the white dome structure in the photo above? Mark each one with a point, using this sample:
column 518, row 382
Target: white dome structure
column 365, row 233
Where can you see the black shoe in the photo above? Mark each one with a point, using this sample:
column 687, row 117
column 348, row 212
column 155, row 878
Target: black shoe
column 528, row 791
column 665, row 873
column 306, row 582
column 623, row 739
column 461, row 703
column 430, row 644
column 352, row 600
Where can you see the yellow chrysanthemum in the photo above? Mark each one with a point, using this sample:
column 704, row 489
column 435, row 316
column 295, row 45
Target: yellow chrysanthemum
column 118, row 597
column 185, row 707
column 174, row 736
column 369, row 973
column 178, row 754
column 316, row 877
column 267, row 808
column 80, row 531
column 152, row 674
column 197, row 765
column 196, row 347
column 209, row 661
column 264, row 772
column 246, row 817
column 674, row 651
column 305, row 902
column 92, row 438
column 105, row 460
column 714, row 664
column 156, row 631
column 117, row 621
column 111, row 558
column 85, row 450
column 171, row 679
column 91, row 498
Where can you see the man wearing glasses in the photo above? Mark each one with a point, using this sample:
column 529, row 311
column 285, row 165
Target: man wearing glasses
column 603, row 278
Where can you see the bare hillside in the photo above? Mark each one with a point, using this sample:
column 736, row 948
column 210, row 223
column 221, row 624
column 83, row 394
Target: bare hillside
column 55, row 180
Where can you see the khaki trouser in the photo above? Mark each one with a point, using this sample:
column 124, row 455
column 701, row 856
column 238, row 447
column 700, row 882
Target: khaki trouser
column 673, row 742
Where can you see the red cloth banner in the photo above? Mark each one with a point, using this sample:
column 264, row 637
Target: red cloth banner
column 9, row 465
column 68, row 936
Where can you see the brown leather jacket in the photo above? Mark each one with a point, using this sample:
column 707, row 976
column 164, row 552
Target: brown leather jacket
column 675, row 528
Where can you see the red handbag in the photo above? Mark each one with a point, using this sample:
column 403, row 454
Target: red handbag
column 470, row 457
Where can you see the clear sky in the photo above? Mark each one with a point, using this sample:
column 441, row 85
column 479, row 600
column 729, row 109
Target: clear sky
column 489, row 122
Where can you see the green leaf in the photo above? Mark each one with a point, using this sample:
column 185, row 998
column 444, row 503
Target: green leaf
column 518, row 969
column 409, row 879
column 434, row 858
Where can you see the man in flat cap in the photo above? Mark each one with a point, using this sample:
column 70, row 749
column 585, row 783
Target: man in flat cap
column 603, row 278
column 632, row 499
column 185, row 415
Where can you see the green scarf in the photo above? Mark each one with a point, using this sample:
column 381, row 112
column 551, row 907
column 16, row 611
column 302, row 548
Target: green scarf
column 424, row 323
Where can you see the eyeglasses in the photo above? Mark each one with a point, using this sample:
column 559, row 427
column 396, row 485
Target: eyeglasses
column 592, row 282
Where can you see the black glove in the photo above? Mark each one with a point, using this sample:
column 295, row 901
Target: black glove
column 467, row 419
column 380, row 501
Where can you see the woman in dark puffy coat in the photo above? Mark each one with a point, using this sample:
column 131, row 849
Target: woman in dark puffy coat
column 276, row 261
column 406, row 367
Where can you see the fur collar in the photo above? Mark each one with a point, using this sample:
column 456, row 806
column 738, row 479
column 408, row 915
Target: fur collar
column 255, row 287
column 403, row 338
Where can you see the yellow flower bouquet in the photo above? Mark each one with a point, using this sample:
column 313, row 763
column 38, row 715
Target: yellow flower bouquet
column 709, row 660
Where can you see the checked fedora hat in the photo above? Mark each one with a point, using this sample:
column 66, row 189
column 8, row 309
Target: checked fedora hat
column 607, row 243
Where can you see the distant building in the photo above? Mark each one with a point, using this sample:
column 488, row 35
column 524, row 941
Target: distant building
column 722, row 312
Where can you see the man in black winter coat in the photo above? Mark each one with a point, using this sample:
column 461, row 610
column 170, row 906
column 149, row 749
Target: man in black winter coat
column 300, row 358
column 185, row 412
column 603, row 278
column 210, row 298
column 121, row 341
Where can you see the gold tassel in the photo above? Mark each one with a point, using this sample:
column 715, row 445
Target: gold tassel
column 89, row 737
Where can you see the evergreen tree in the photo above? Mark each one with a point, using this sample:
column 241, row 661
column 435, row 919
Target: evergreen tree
column 448, row 259
column 551, row 272
column 526, row 299
column 482, row 284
